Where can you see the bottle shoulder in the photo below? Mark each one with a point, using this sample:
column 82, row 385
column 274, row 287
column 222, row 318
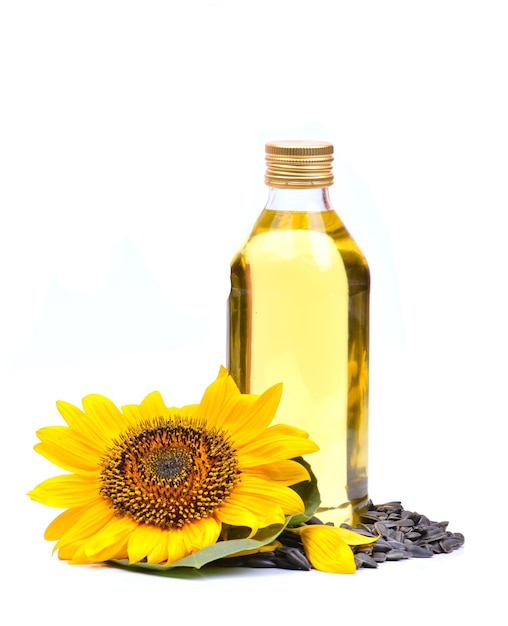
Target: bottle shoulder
column 322, row 221
column 270, row 222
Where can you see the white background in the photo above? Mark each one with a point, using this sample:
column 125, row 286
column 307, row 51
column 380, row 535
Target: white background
column 131, row 169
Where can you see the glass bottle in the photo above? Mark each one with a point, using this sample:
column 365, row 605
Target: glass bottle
column 298, row 313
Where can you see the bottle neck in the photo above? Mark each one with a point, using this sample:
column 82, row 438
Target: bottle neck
column 304, row 200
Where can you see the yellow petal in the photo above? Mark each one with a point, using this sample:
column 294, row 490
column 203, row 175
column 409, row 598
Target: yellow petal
column 286, row 429
column 106, row 418
column 110, row 542
column 242, row 415
column 132, row 413
column 176, row 546
column 90, row 521
column 233, row 413
column 251, row 418
column 69, row 551
column 158, row 550
column 354, row 539
column 222, row 372
column 327, row 547
column 269, row 448
column 201, row 533
column 284, row 472
column 216, row 397
column 290, row 502
column 79, row 422
column 326, row 550
column 67, row 491
column 189, row 411
column 151, row 407
column 86, row 523
column 65, row 448
column 143, row 541
column 62, row 523
column 236, row 512
column 254, row 511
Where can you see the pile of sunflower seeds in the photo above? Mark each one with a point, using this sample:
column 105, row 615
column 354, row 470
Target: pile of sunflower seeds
column 402, row 535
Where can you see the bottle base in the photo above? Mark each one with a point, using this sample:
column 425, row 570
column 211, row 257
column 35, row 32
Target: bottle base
column 346, row 513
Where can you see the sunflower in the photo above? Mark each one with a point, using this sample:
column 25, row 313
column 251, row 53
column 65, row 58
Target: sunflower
column 151, row 483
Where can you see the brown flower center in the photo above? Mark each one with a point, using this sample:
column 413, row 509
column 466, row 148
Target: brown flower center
column 169, row 472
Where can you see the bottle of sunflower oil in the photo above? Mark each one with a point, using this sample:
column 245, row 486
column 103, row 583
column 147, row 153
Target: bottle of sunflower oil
column 299, row 314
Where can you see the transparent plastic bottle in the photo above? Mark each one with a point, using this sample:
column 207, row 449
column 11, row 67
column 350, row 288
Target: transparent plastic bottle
column 299, row 314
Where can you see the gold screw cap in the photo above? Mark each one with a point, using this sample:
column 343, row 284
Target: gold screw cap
column 299, row 164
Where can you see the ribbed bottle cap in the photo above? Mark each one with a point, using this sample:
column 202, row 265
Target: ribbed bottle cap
column 299, row 164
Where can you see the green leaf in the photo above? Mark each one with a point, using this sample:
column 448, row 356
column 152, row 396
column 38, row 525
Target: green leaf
column 212, row 553
column 309, row 493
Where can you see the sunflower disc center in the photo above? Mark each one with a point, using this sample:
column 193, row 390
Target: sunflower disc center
column 169, row 472
column 168, row 464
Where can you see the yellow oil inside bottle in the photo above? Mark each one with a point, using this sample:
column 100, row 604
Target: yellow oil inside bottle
column 298, row 314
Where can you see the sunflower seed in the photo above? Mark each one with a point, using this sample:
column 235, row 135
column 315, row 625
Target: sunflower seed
column 261, row 559
column 364, row 532
column 387, row 506
column 435, row 534
column 364, row 560
column 382, row 545
column 368, row 528
column 292, row 558
column 381, row 528
column 396, row 555
column 411, row 535
column 366, row 549
column 419, row 552
column 290, row 539
column 449, row 544
column 373, row 516
column 400, row 522
column 232, row 561
column 314, row 521
column 396, row 545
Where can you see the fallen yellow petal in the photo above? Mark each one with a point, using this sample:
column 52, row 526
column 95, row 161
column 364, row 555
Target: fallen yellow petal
column 328, row 547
